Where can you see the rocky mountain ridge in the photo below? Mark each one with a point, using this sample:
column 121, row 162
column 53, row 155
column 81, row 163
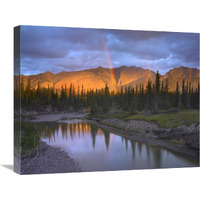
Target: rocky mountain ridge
column 116, row 78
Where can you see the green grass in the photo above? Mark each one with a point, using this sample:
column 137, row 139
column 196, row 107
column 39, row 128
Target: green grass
column 114, row 112
column 26, row 139
column 88, row 116
column 169, row 118
column 29, row 116
column 121, row 115
column 174, row 141
column 185, row 117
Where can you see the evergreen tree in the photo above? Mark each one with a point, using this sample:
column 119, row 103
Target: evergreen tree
column 135, row 95
column 94, row 106
column 133, row 107
column 141, row 98
column 48, row 94
column 197, row 97
column 162, row 99
column 157, row 83
column 183, row 97
column 129, row 96
column 156, row 93
column 148, row 95
column 106, row 100
column 167, row 104
column 121, row 97
column 28, row 94
column 178, row 97
column 38, row 91
column 70, row 95
column 125, row 105
column 187, row 96
column 22, row 92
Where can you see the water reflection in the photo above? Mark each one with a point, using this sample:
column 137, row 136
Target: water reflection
column 73, row 129
column 98, row 149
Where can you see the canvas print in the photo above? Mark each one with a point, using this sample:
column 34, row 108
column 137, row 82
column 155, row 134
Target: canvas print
column 102, row 100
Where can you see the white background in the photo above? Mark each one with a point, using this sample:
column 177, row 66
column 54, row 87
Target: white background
column 170, row 15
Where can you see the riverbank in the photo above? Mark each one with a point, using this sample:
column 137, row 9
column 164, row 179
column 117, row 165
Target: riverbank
column 184, row 140
column 55, row 117
column 48, row 160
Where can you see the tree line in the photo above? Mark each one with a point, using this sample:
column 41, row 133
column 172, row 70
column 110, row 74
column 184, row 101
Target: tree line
column 153, row 98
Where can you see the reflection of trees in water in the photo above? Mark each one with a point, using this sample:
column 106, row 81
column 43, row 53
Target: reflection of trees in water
column 122, row 139
column 82, row 129
column 148, row 153
column 79, row 129
column 73, row 129
column 107, row 139
column 154, row 151
column 139, row 145
column 157, row 153
column 100, row 132
column 94, row 131
column 50, row 130
column 126, row 143
column 63, row 128
column 133, row 145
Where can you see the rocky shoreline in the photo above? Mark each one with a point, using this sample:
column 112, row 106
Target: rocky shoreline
column 184, row 140
column 48, row 160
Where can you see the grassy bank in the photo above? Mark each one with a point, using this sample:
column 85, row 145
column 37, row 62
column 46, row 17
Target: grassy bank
column 26, row 137
column 176, row 119
column 167, row 119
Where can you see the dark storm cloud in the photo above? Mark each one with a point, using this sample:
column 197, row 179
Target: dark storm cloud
column 128, row 35
column 67, row 49
column 185, row 47
column 57, row 40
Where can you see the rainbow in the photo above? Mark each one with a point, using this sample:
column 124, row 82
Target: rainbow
column 113, row 79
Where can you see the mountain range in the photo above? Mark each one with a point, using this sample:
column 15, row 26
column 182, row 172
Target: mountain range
column 116, row 78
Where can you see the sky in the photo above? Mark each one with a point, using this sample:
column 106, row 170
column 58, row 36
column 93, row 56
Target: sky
column 57, row 49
